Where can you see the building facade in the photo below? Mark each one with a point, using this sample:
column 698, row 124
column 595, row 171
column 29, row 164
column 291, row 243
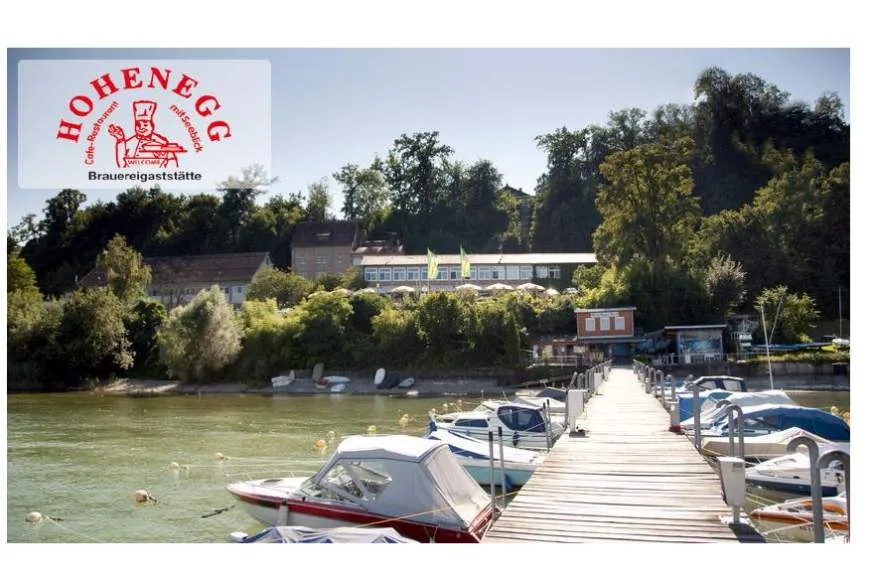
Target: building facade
column 323, row 248
column 386, row 272
column 175, row 280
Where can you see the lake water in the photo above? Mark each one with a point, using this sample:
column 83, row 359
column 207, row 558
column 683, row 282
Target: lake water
column 79, row 457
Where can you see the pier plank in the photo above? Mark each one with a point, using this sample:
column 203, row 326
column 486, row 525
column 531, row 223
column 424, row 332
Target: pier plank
column 630, row 479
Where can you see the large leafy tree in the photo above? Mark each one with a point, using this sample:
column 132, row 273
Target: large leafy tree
column 647, row 204
column 91, row 338
column 366, row 194
column 725, row 283
column 239, row 197
column 788, row 316
column 286, row 288
column 126, row 273
column 19, row 274
column 201, row 338
column 415, row 171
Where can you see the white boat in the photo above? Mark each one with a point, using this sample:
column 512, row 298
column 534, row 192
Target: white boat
column 283, row 380
column 523, row 425
column 772, row 418
column 412, row 484
column 474, row 455
column 791, row 473
column 306, row 535
column 761, row 447
column 793, row 519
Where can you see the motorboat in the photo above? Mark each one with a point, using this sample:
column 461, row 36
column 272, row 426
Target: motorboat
column 714, row 409
column 771, row 418
column 412, row 484
column 523, row 425
column 474, row 455
column 793, row 519
column 791, row 472
column 283, row 380
column 306, row 535
column 761, row 447
column 710, row 388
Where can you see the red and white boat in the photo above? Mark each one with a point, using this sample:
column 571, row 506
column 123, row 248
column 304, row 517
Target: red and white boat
column 793, row 519
column 411, row 484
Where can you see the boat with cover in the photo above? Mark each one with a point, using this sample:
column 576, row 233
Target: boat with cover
column 474, row 455
column 714, row 409
column 791, row 472
column 412, row 484
column 761, row 447
column 306, row 535
column 771, row 418
column 523, row 425
column 712, row 387
column 793, row 519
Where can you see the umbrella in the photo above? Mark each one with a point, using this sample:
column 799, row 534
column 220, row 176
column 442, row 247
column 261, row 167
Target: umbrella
column 405, row 289
column 366, row 291
column 472, row 287
column 343, row 291
column 551, row 292
column 531, row 287
column 499, row 286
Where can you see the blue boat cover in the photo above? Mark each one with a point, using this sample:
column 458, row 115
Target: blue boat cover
column 781, row 417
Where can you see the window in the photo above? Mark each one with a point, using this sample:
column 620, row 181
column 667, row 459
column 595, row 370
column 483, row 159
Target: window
column 484, row 272
column 555, row 272
column 413, row 273
column 322, row 259
column 590, row 324
column 471, row 423
column 605, row 323
column 442, row 273
column 526, row 273
column 239, row 289
column 339, row 259
column 302, row 260
column 521, row 419
column 371, row 274
column 454, row 272
column 399, row 274
column 385, row 274
column 513, row 273
column 542, row 271
column 498, row 272
column 473, row 273
column 619, row 323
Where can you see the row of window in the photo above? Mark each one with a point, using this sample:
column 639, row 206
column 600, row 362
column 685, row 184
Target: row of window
column 321, row 260
column 412, row 273
column 604, row 324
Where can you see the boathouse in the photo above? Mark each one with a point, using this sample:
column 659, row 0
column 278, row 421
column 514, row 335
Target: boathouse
column 690, row 344
column 606, row 334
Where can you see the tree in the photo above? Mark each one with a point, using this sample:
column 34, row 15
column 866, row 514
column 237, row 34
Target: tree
column 143, row 321
column 647, row 204
column 200, row 338
column 323, row 318
column 286, row 288
column 725, row 285
column 239, row 197
column 318, row 202
column 415, row 171
column 125, row 272
column 92, row 338
column 19, row 275
column 789, row 317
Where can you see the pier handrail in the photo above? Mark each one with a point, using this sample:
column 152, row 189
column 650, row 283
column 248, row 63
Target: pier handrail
column 815, row 484
column 737, row 422
column 823, row 462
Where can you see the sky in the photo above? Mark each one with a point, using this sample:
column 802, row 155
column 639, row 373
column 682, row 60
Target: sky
column 335, row 106
column 343, row 87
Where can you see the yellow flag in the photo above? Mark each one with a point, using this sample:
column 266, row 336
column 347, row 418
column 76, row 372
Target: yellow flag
column 432, row 260
column 464, row 264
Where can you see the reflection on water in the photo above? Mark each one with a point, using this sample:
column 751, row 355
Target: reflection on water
column 79, row 458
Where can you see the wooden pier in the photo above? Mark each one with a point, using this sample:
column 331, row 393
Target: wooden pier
column 628, row 479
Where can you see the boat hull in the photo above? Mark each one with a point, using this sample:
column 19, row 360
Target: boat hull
column 271, row 510
column 513, row 476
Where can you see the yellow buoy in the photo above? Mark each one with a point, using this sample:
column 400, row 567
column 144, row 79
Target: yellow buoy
column 174, row 466
column 320, row 443
column 372, row 430
column 835, row 410
column 403, row 422
column 143, row 496
column 330, row 436
column 220, row 457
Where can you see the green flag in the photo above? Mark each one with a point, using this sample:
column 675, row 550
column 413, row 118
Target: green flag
column 464, row 264
column 432, row 261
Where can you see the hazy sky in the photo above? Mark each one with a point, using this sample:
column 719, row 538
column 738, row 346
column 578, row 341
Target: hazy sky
column 333, row 106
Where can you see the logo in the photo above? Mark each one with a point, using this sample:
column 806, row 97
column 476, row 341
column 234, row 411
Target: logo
column 180, row 121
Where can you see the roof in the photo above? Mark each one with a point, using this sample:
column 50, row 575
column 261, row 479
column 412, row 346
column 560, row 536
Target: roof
column 519, row 193
column 331, row 233
column 614, row 309
column 198, row 269
column 480, row 259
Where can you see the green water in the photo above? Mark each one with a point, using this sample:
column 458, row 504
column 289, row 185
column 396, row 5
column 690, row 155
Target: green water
column 79, row 457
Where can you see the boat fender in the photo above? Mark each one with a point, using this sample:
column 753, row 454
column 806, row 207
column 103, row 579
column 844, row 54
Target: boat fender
column 516, row 438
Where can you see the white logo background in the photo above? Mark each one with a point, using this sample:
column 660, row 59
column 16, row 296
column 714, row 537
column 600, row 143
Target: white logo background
column 45, row 88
